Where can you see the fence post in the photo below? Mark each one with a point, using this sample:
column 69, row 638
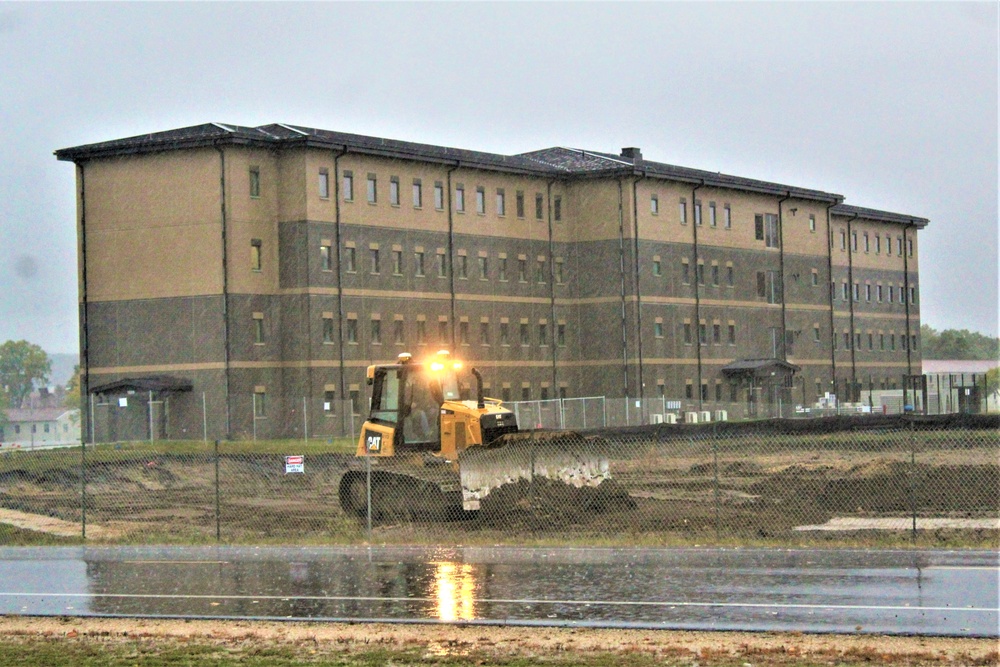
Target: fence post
column 715, row 467
column 204, row 418
column 218, row 520
column 913, row 482
column 83, row 490
column 305, row 421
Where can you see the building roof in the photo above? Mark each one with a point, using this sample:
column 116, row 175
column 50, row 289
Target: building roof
column 758, row 367
column 15, row 415
column 846, row 210
column 555, row 162
column 149, row 383
column 945, row 366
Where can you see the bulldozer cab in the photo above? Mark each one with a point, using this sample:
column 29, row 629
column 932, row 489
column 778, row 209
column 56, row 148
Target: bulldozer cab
column 407, row 399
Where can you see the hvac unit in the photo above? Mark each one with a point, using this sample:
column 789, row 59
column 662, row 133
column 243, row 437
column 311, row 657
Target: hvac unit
column 670, row 418
column 721, row 416
column 690, row 417
column 706, row 416
column 655, row 418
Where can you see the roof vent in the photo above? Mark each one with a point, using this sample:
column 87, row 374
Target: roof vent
column 632, row 153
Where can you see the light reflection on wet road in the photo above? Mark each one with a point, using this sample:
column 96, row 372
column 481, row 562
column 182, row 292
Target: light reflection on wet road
column 893, row 592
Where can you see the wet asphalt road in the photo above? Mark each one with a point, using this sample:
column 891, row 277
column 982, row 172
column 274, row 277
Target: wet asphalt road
column 886, row 592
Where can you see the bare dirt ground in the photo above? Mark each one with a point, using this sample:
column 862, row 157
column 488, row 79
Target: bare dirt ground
column 316, row 640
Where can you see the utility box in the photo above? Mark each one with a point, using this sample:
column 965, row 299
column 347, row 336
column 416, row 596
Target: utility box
column 670, row 418
column 655, row 418
column 690, row 417
column 721, row 416
column 706, row 416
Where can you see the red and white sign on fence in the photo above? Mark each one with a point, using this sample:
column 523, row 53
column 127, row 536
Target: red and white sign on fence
column 295, row 464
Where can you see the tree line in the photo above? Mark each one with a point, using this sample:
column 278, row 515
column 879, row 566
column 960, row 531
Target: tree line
column 958, row 344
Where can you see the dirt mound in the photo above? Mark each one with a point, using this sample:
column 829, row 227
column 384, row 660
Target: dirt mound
column 543, row 503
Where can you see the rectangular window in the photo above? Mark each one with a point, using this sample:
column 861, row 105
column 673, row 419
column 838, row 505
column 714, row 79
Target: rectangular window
column 421, row 332
column 442, row 266
column 899, row 246
column 847, row 341
column 540, row 271
column 539, row 206
column 439, row 196
column 463, row 332
column 844, row 292
column 348, row 186
column 702, row 333
column 258, row 329
column 525, row 340
column 878, row 293
column 658, row 329
column 557, row 208
column 259, row 404
column 717, row 334
column 397, row 262
column 856, row 293
column 394, row 191
column 444, row 336
column 376, row 330
column 483, row 268
column 522, row 270
column 771, row 239
column 463, row 267
column 913, row 295
column 687, row 333
column 504, row 333
column 868, row 246
column 543, row 334
column 843, row 239
column 697, row 212
column 892, row 294
column 654, row 205
column 730, row 277
column 484, row 333
column 328, row 333
column 868, row 293
column 559, row 272
column 561, row 334
column 871, row 341
column 728, row 215
column 418, row 194
column 718, row 391
column 715, row 275
column 372, row 189
column 326, row 257
column 376, row 261
column 812, row 222
column 350, row 260
column 909, row 247
column 854, row 241
column 816, row 333
column 397, row 332
column 815, row 278
column 701, row 273
column 460, row 198
column 256, row 263
column 761, row 284
column 881, row 341
column 519, row 203
column 689, row 390
column 502, row 269
column 255, row 182
column 711, row 214
column 418, row 261
column 682, row 211
column 657, row 267
column 324, row 184
column 501, row 203
column 878, row 244
column 480, row 200
column 732, row 334
column 685, row 273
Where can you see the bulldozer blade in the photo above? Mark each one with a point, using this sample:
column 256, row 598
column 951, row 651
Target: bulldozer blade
column 569, row 459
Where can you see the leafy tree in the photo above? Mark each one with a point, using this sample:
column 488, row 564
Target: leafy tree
column 958, row 344
column 71, row 400
column 993, row 381
column 22, row 364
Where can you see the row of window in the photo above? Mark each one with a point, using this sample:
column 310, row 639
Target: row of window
column 500, row 196
column 874, row 242
column 443, row 333
column 440, row 265
column 879, row 294
column 881, row 342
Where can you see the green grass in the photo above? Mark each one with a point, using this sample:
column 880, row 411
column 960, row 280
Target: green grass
column 11, row 536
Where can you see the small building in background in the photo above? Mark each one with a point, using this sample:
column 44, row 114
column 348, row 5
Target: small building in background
column 41, row 427
column 960, row 385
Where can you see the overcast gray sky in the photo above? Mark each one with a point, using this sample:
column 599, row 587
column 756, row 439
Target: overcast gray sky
column 892, row 105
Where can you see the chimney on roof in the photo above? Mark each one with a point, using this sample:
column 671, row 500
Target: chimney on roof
column 633, row 154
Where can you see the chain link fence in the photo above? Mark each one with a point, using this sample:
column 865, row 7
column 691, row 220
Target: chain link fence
column 868, row 482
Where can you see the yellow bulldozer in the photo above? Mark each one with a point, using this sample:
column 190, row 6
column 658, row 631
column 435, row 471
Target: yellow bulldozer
column 431, row 450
